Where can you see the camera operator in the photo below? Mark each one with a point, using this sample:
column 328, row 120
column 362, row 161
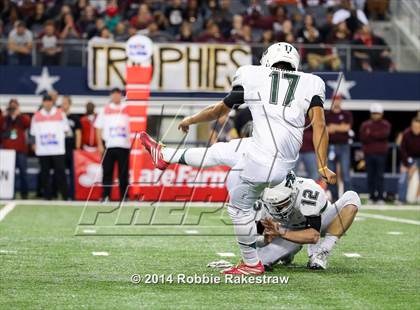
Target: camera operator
column 13, row 137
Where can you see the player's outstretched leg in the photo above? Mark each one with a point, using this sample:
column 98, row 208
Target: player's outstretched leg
column 221, row 153
column 338, row 218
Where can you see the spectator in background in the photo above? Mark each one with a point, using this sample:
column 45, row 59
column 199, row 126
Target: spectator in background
column 223, row 130
column 186, row 34
column 375, row 55
column 410, row 158
column 223, row 17
column 105, row 36
column 175, row 14
column 155, row 34
column 307, row 154
column 37, row 20
column 73, row 141
column 70, row 30
column 49, row 126
column 96, row 31
column 212, row 33
column 87, row 121
column 319, row 58
column 374, row 134
column 13, row 130
column 339, row 124
column 111, row 15
column 143, row 17
column 120, row 33
column 87, row 21
column 353, row 17
column 112, row 126
column 50, row 48
column 20, row 45
column 194, row 15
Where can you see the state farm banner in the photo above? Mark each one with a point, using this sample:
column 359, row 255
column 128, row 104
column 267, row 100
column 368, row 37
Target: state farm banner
column 176, row 183
column 176, row 66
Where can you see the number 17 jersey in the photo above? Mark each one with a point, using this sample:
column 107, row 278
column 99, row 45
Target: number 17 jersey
column 279, row 101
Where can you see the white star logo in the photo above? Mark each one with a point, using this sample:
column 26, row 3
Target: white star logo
column 44, row 81
column 344, row 87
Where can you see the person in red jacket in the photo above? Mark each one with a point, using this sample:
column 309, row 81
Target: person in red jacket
column 87, row 121
column 307, row 154
column 13, row 137
column 374, row 134
column 410, row 156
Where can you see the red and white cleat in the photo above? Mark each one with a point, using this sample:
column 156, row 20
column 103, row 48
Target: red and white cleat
column 155, row 150
column 244, row 269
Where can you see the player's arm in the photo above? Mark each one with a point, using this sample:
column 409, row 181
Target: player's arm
column 214, row 111
column 210, row 113
column 320, row 140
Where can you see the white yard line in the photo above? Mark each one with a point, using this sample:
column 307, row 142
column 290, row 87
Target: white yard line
column 89, row 231
column 352, row 255
column 389, row 218
column 396, row 233
column 191, row 231
column 226, row 254
column 100, row 253
column 6, row 210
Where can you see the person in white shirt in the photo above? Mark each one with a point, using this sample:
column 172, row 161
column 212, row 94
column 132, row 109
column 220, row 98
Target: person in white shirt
column 113, row 128
column 49, row 126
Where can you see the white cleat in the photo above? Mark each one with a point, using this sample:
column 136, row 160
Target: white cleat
column 318, row 260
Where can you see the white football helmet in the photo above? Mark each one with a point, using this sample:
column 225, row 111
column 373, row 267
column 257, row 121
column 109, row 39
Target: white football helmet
column 281, row 52
column 279, row 200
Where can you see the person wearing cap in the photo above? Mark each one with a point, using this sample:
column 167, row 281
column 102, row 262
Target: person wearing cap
column 374, row 134
column 113, row 137
column 20, row 45
column 339, row 124
column 49, row 126
column 410, row 158
column 13, row 131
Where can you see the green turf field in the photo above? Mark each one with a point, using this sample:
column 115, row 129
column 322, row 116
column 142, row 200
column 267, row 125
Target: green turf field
column 46, row 261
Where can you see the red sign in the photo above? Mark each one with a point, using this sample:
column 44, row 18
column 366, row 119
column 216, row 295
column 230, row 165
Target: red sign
column 176, row 183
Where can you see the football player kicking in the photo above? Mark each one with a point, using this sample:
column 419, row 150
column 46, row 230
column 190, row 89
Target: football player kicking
column 297, row 212
column 279, row 98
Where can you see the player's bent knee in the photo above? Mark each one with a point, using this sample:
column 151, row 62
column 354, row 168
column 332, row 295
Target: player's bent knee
column 352, row 198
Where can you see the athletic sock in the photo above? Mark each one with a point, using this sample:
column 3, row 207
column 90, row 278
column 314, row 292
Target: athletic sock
column 246, row 234
column 329, row 242
column 171, row 155
column 195, row 157
column 312, row 248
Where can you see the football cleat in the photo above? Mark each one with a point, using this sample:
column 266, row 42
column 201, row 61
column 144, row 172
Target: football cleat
column 318, row 260
column 244, row 269
column 155, row 150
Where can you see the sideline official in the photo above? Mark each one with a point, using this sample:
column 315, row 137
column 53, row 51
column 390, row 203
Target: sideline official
column 112, row 127
column 49, row 126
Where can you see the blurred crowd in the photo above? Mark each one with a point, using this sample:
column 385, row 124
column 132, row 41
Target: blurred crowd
column 327, row 24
